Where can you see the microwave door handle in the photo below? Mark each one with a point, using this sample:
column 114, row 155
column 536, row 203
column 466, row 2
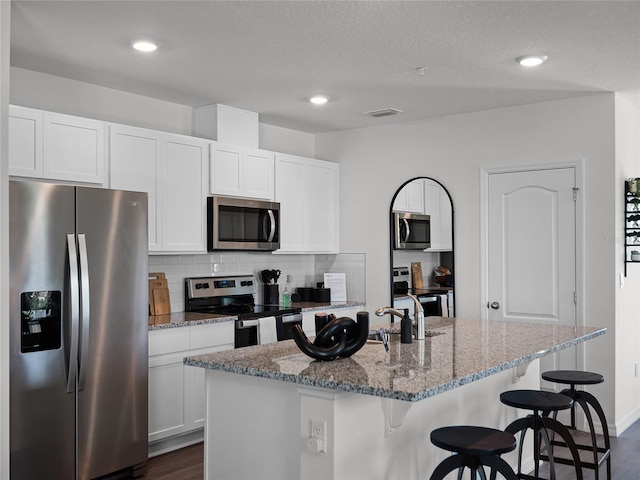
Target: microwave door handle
column 272, row 223
column 407, row 229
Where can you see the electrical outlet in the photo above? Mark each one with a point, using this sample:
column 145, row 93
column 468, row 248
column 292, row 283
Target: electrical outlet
column 319, row 433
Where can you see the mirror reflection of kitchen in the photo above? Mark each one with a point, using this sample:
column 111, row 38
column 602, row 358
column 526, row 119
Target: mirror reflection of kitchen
column 422, row 247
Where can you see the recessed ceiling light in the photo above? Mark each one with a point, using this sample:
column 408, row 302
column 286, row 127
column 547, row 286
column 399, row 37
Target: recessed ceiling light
column 319, row 100
column 531, row 60
column 145, row 46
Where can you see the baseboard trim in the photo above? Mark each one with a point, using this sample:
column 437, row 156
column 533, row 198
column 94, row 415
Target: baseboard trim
column 176, row 442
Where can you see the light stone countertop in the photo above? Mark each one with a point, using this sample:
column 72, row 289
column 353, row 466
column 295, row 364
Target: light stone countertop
column 455, row 352
column 189, row 319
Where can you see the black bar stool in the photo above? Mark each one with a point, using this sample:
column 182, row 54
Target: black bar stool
column 475, row 447
column 540, row 402
column 584, row 399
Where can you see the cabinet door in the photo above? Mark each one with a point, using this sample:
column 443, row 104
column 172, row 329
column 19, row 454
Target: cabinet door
column 25, row 142
column 184, row 191
column 73, row 148
column 168, row 414
column 410, row 198
column 290, row 190
column 258, row 174
column 197, row 396
column 225, row 169
column 134, row 158
column 438, row 207
column 321, row 216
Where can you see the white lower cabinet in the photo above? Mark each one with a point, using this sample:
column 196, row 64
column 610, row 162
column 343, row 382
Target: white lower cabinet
column 177, row 392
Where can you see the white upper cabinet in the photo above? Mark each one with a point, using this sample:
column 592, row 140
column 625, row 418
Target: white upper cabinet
column 184, row 193
column 410, row 198
column 241, row 172
column 307, row 190
column 25, row 142
column 438, row 205
column 54, row 146
column 134, row 159
column 173, row 171
column 290, row 193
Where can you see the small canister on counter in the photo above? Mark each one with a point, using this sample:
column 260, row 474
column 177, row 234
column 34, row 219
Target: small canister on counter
column 321, row 295
column 305, row 293
column 321, row 320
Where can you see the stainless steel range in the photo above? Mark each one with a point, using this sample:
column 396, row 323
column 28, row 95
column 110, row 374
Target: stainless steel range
column 402, row 285
column 235, row 295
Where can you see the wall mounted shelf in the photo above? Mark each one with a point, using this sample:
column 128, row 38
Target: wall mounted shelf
column 631, row 222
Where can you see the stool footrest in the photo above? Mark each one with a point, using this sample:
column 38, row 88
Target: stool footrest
column 583, row 464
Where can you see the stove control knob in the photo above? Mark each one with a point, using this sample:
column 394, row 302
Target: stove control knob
column 205, row 285
column 198, row 286
column 246, row 283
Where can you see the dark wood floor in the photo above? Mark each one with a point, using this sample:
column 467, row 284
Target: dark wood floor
column 187, row 464
column 184, row 464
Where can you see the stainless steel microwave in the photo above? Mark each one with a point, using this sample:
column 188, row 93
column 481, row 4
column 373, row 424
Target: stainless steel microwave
column 412, row 231
column 242, row 224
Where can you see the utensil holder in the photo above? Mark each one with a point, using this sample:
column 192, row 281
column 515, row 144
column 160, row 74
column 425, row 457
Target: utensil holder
column 271, row 294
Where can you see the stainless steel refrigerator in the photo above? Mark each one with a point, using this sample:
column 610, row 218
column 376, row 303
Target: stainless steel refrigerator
column 79, row 316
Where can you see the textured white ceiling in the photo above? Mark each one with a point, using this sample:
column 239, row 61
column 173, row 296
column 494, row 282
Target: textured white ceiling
column 270, row 56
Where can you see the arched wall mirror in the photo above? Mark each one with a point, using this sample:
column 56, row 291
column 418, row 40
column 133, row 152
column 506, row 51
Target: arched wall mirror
column 421, row 247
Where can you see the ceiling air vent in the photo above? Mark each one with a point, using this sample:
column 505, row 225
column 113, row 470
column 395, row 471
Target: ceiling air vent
column 385, row 112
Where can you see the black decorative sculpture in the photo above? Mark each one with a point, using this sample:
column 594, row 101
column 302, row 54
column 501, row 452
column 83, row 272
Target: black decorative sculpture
column 338, row 337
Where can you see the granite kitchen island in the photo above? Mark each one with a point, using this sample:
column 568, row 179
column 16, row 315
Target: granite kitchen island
column 373, row 412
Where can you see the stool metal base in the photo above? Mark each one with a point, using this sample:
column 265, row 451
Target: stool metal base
column 541, row 426
column 585, row 400
column 541, row 403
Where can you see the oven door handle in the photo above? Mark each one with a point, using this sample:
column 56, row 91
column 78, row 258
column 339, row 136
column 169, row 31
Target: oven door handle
column 296, row 317
column 247, row 323
column 427, row 299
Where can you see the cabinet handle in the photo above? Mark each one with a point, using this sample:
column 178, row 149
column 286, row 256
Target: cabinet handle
column 494, row 305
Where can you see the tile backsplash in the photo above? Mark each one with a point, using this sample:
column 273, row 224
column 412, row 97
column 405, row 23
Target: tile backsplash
column 306, row 270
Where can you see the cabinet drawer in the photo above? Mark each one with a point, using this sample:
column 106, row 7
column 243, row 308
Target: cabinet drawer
column 168, row 341
column 212, row 335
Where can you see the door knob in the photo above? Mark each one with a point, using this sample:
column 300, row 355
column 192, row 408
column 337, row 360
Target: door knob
column 494, row 305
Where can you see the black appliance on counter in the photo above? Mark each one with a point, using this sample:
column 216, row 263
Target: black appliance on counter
column 234, row 295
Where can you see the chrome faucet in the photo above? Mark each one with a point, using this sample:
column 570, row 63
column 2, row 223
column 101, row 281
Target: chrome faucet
column 418, row 316
column 391, row 311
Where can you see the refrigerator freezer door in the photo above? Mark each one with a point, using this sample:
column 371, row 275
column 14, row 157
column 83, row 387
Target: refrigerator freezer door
column 112, row 390
column 42, row 427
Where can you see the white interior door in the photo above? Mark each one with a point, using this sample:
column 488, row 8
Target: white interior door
column 531, row 235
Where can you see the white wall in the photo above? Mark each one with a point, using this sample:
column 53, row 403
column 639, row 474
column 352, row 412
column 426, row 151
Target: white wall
column 5, row 23
column 375, row 161
column 62, row 95
column 627, row 330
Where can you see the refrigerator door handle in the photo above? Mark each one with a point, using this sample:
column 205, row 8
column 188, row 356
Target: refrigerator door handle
column 74, row 300
column 85, row 309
